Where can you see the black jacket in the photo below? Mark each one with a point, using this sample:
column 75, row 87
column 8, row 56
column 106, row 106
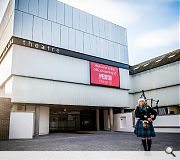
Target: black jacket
column 139, row 113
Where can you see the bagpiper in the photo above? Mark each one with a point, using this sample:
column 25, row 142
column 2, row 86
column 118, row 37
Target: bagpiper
column 144, row 125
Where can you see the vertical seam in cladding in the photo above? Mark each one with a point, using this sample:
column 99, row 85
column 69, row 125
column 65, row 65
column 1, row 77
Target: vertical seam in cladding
column 72, row 17
column 75, row 38
column 64, row 15
column 85, row 21
column 32, row 27
column 68, row 39
column 22, row 24
column 83, row 41
column 17, row 1
column 51, row 32
column 60, row 35
column 28, row 5
column 56, row 12
column 79, row 20
column 38, row 8
column 42, row 30
column 92, row 25
column 47, row 8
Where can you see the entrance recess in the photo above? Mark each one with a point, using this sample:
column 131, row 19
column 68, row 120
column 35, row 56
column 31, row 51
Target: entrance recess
column 66, row 119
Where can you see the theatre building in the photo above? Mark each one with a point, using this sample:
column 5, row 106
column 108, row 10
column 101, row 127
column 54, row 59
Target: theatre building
column 62, row 69
column 69, row 68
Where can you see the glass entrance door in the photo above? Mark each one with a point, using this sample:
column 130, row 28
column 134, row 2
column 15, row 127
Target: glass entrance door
column 64, row 121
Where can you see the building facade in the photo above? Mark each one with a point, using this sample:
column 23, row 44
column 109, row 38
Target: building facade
column 71, row 69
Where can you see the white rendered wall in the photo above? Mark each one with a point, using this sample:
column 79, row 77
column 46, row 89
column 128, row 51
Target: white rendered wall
column 167, row 121
column 166, row 96
column 41, row 64
column 124, row 78
column 153, row 80
column 31, row 90
column 21, row 125
column 31, row 108
column 5, row 67
column 7, row 92
column 163, row 76
column 6, row 25
column 44, row 120
column 128, row 127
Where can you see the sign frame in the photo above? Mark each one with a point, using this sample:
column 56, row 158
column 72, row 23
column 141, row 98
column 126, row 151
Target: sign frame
column 104, row 85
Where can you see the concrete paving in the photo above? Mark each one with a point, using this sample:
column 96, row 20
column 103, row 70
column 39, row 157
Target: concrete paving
column 91, row 141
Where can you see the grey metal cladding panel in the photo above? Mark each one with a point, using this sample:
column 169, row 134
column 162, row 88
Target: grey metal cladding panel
column 101, row 28
column 126, row 55
column 125, row 60
column 99, row 47
column 76, row 18
column 116, row 52
column 117, row 35
column 96, row 25
column 89, row 23
column 46, row 32
column 37, row 29
column 87, row 45
column 23, row 5
column 93, row 45
column 64, row 37
column 52, row 10
column 105, row 49
column 125, row 36
column 126, row 41
column 17, row 23
column 33, row 7
column 113, row 32
column 43, row 8
column 56, row 34
column 119, row 53
column 72, row 39
column 82, row 21
column 111, row 50
column 79, row 41
column 68, row 15
column 122, row 36
column 16, row 4
column 107, row 30
column 123, row 54
column 60, row 12
column 27, row 26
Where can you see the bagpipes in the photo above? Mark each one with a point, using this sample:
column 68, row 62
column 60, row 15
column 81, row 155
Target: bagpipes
column 152, row 100
column 146, row 122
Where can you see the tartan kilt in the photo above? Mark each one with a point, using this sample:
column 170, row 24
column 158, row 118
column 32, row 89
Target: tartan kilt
column 142, row 132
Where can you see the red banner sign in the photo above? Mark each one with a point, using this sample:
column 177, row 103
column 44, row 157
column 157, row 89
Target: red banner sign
column 104, row 75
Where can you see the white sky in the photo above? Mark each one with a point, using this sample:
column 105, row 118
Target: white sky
column 152, row 25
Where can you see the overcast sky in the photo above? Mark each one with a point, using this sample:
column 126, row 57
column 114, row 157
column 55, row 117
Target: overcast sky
column 152, row 25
